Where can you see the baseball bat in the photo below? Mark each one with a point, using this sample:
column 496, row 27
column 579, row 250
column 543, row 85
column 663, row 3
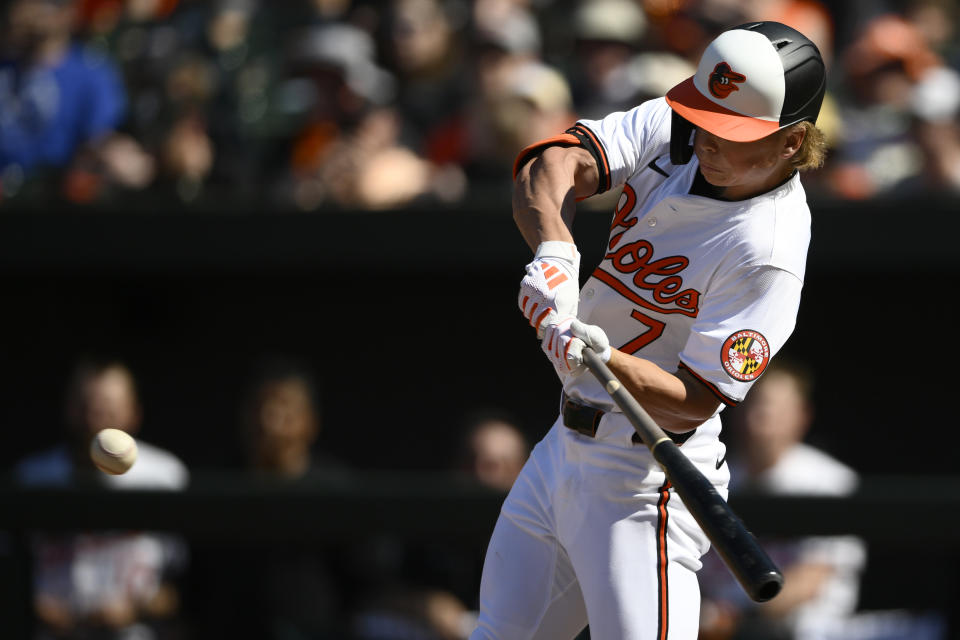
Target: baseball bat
column 740, row 551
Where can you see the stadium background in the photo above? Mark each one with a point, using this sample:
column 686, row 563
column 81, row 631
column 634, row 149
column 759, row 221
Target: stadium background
column 196, row 272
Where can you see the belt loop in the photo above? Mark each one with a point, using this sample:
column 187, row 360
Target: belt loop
column 580, row 417
column 597, row 417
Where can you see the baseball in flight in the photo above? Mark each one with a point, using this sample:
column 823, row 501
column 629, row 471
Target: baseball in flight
column 113, row 451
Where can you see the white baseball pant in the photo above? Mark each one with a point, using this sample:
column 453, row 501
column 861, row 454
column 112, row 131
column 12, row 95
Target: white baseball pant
column 591, row 530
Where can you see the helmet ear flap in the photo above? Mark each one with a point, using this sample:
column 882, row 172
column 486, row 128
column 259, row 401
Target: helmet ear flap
column 681, row 139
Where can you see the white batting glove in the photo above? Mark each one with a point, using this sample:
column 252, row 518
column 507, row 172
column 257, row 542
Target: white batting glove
column 563, row 342
column 551, row 288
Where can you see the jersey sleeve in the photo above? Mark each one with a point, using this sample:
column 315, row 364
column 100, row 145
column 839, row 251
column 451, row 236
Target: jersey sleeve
column 626, row 141
column 566, row 139
column 744, row 320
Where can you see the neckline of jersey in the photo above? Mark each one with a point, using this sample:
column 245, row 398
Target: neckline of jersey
column 699, row 182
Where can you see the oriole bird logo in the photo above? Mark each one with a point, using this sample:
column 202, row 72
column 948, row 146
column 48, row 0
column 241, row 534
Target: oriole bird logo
column 722, row 80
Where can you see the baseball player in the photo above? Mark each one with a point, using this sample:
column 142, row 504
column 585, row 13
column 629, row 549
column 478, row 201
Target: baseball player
column 698, row 289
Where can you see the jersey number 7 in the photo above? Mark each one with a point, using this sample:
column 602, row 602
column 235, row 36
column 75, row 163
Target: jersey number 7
column 642, row 340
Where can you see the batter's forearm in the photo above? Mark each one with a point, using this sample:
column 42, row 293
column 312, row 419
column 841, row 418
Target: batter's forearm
column 674, row 403
column 546, row 190
column 537, row 225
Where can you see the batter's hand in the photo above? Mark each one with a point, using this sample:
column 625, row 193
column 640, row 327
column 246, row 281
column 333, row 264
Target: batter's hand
column 564, row 341
column 551, row 288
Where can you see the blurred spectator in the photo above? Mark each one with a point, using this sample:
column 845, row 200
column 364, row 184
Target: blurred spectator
column 685, row 28
column 105, row 585
column 424, row 52
column 61, row 106
column 430, row 591
column 101, row 394
column 533, row 103
column 936, row 21
column 886, row 70
column 494, row 450
column 646, row 76
column 246, row 114
column 281, row 423
column 314, row 591
column 810, row 17
column 491, row 450
column 350, row 154
column 502, row 42
column 343, row 104
column 608, row 33
column 821, row 574
column 504, row 39
column 294, row 590
column 536, row 105
column 176, row 59
column 935, row 103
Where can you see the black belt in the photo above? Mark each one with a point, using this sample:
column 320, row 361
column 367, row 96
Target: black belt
column 585, row 419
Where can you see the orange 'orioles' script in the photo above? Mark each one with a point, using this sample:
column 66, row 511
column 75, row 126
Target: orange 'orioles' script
column 636, row 258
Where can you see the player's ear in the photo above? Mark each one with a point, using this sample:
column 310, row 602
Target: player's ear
column 793, row 140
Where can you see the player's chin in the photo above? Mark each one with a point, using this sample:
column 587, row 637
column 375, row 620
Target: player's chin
column 716, row 177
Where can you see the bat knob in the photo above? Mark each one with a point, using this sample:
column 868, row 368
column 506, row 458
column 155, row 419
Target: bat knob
column 767, row 587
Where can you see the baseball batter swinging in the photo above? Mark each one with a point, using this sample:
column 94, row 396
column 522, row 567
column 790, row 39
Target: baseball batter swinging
column 699, row 288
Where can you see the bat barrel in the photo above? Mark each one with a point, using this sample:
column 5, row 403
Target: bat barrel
column 743, row 555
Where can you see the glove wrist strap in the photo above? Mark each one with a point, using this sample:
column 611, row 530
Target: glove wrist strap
column 559, row 249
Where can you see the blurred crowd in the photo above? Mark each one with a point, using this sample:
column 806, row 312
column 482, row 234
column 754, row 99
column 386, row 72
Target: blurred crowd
column 375, row 104
column 145, row 585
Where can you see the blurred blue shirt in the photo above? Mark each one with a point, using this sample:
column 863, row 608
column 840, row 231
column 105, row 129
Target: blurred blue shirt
column 48, row 113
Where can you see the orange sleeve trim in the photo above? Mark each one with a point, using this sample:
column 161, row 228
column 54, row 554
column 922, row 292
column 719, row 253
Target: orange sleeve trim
column 730, row 402
column 562, row 140
column 589, row 140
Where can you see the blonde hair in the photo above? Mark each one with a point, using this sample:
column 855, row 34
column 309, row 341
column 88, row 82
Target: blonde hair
column 813, row 149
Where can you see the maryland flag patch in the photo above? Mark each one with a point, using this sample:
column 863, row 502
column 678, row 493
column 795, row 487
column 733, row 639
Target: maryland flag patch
column 745, row 355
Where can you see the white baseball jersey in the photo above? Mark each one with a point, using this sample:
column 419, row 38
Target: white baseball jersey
column 689, row 281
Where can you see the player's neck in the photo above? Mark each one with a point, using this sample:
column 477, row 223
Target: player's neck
column 776, row 180
column 701, row 187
